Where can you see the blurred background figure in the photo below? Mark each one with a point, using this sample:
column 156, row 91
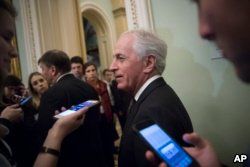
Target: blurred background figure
column 108, row 75
column 119, row 99
column 77, row 67
column 14, row 90
column 21, row 128
column 37, row 86
column 106, row 124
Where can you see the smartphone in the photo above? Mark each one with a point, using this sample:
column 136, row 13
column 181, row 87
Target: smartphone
column 24, row 101
column 89, row 103
column 163, row 145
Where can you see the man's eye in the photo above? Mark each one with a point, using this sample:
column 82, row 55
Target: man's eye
column 121, row 57
column 8, row 38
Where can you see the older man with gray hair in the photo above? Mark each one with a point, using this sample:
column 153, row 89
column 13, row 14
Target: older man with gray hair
column 139, row 60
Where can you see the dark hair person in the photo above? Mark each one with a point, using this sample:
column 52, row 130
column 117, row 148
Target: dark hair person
column 106, row 124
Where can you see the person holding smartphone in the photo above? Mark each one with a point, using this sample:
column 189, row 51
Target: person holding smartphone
column 14, row 112
column 51, row 147
column 14, row 90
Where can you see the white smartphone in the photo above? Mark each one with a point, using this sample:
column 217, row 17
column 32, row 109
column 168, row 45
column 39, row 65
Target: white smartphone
column 89, row 103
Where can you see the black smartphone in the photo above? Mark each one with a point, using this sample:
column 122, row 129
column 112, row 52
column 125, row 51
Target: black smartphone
column 163, row 145
column 89, row 103
column 24, row 101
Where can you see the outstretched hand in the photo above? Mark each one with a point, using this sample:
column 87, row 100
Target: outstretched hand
column 69, row 123
column 150, row 156
column 62, row 127
column 202, row 152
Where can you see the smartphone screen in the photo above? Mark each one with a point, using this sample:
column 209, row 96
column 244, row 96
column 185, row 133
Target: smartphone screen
column 89, row 103
column 24, row 101
column 165, row 146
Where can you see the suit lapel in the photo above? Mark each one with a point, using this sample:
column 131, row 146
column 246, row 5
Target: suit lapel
column 132, row 112
column 151, row 87
column 135, row 106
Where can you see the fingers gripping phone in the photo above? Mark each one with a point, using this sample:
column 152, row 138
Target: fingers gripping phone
column 73, row 109
column 163, row 145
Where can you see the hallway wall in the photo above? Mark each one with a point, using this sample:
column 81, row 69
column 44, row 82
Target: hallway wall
column 216, row 100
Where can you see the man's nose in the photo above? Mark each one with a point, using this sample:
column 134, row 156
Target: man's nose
column 205, row 29
column 13, row 53
column 113, row 66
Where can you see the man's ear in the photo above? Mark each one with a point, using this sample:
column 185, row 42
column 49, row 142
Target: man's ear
column 149, row 64
column 53, row 70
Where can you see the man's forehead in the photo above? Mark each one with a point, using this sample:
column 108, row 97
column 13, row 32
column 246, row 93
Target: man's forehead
column 76, row 64
column 125, row 37
column 123, row 45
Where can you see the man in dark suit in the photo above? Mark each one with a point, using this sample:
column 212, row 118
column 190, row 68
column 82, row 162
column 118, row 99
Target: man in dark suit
column 139, row 60
column 83, row 146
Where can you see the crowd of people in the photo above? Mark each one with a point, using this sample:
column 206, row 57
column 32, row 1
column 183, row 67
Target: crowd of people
column 132, row 88
column 61, row 85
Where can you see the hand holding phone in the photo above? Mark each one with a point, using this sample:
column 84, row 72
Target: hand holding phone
column 73, row 109
column 163, row 145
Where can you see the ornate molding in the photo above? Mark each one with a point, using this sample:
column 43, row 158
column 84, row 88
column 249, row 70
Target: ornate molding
column 30, row 33
column 139, row 14
column 134, row 14
column 119, row 12
column 106, row 26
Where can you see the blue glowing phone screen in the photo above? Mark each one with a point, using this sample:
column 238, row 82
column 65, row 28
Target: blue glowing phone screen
column 168, row 149
column 82, row 105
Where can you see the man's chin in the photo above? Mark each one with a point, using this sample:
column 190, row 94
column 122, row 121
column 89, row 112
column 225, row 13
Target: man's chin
column 244, row 74
column 245, row 78
column 120, row 87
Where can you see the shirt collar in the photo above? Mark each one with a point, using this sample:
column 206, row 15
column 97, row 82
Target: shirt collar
column 62, row 76
column 145, row 85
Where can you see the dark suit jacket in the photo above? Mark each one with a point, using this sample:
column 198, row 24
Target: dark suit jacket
column 83, row 146
column 159, row 103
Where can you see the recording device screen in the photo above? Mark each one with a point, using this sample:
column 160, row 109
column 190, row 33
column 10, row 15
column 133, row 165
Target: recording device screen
column 24, row 101
column 165, row 147
column 89, row 103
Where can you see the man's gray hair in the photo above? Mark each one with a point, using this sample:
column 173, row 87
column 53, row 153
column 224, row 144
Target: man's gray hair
column 147, row 43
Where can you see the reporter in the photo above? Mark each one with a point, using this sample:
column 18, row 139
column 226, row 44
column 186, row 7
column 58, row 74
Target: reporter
column 203, row 152
column 8, row 116
column 56, row 134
